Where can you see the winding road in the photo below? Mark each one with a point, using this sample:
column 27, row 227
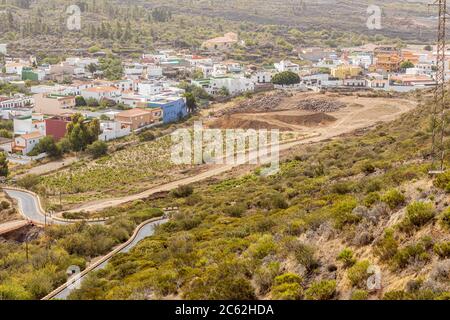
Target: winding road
column 145, row 230
column 29, row 207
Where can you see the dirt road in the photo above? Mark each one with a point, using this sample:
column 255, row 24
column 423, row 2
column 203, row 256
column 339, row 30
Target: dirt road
column 363, row 113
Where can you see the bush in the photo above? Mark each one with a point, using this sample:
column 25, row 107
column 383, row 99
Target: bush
column 445, row 219
column 286, row 78
column 287, row 287
column 346, row 257
column 97, row 149
column 412, row 254
column 358, row 273
column 183, row 191
column 442, row 249
column 323, row 290
column 418, row 214
column 235, row 211
column 371, row 199
column 29, row 181
column 4, row 205
column 359, row 295
column 393, row 198
column 443, row 181
column 342, row 212
column 397, row 295
column 147, row 136
column 304, row 254
column 368, row 168
column 387, row 247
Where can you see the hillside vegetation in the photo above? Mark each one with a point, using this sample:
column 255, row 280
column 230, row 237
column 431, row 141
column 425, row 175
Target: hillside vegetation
column 334, row 212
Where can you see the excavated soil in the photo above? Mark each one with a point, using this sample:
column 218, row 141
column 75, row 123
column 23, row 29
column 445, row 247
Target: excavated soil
column 275, row 120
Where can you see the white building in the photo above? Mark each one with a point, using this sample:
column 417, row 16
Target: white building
column 29, row 124
column 133, row 71
column 362, row 60
column 234, row 85
column 99, row 93
column 150, row 88
column 286, row 65
column 113, row 130
column 3, row 48
column 154, row 71
column 219, row 70
column 16, row 101
column 14, row 67
column 24, row 144
column 262, row 77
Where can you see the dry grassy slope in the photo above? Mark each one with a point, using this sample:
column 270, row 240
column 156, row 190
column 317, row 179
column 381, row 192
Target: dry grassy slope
column 399, row 16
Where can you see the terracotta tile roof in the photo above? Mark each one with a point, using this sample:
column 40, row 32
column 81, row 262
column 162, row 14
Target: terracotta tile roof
column 134, row 112
column 101, row 89
column 33, row 135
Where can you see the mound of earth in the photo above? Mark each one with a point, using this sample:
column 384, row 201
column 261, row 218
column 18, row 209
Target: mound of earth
column 261, row 103
column 320, row 105
column 278, row 121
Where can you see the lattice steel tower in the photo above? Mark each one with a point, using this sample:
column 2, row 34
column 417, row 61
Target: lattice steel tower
column 440, row 105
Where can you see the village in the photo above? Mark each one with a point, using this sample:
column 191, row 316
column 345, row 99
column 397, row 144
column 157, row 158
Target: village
column 152, row 90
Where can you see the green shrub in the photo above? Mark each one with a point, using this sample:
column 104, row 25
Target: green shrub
column 368, row 167
column 445, row 218
column 358, row 273
column 183, row 191
column 263, row 247
column 4, row 205
column 323, row 290
column 442, row 249
column 265, row 276
column 343, row 187
column 346, row 257
column 342, row 212
column 393, row 198
column 418, row 214
column 443, row 181
column 397, row 295
column 287, row 287
column 387, row 247
column 147, row 136
column 371, row 199
column 412, row 253
column 236, row 210
column 29, row 181
column 97, row 149
column 304, row 254
column 359, row 295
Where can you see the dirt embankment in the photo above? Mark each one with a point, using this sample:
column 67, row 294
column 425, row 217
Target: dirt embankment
column 279, row 110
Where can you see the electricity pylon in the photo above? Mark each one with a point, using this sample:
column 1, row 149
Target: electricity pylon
column 440, row 105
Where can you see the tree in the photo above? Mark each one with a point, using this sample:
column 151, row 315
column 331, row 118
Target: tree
column 224, row 92
column 47, row 145
column 80, row 101
column 406, row 64
column 4, row 171
column 92, row 67
column 191, row 102
column 97, row 149
column 286, row 78
column 82, row 132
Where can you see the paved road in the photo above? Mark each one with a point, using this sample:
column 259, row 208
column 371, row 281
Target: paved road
column 146, row 231
column 28, row 207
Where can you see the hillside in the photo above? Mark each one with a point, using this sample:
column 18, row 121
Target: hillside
column 269, row 28
column 335, row 211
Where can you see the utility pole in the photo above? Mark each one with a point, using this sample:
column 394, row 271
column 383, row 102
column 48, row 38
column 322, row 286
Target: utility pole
column 440, row 105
